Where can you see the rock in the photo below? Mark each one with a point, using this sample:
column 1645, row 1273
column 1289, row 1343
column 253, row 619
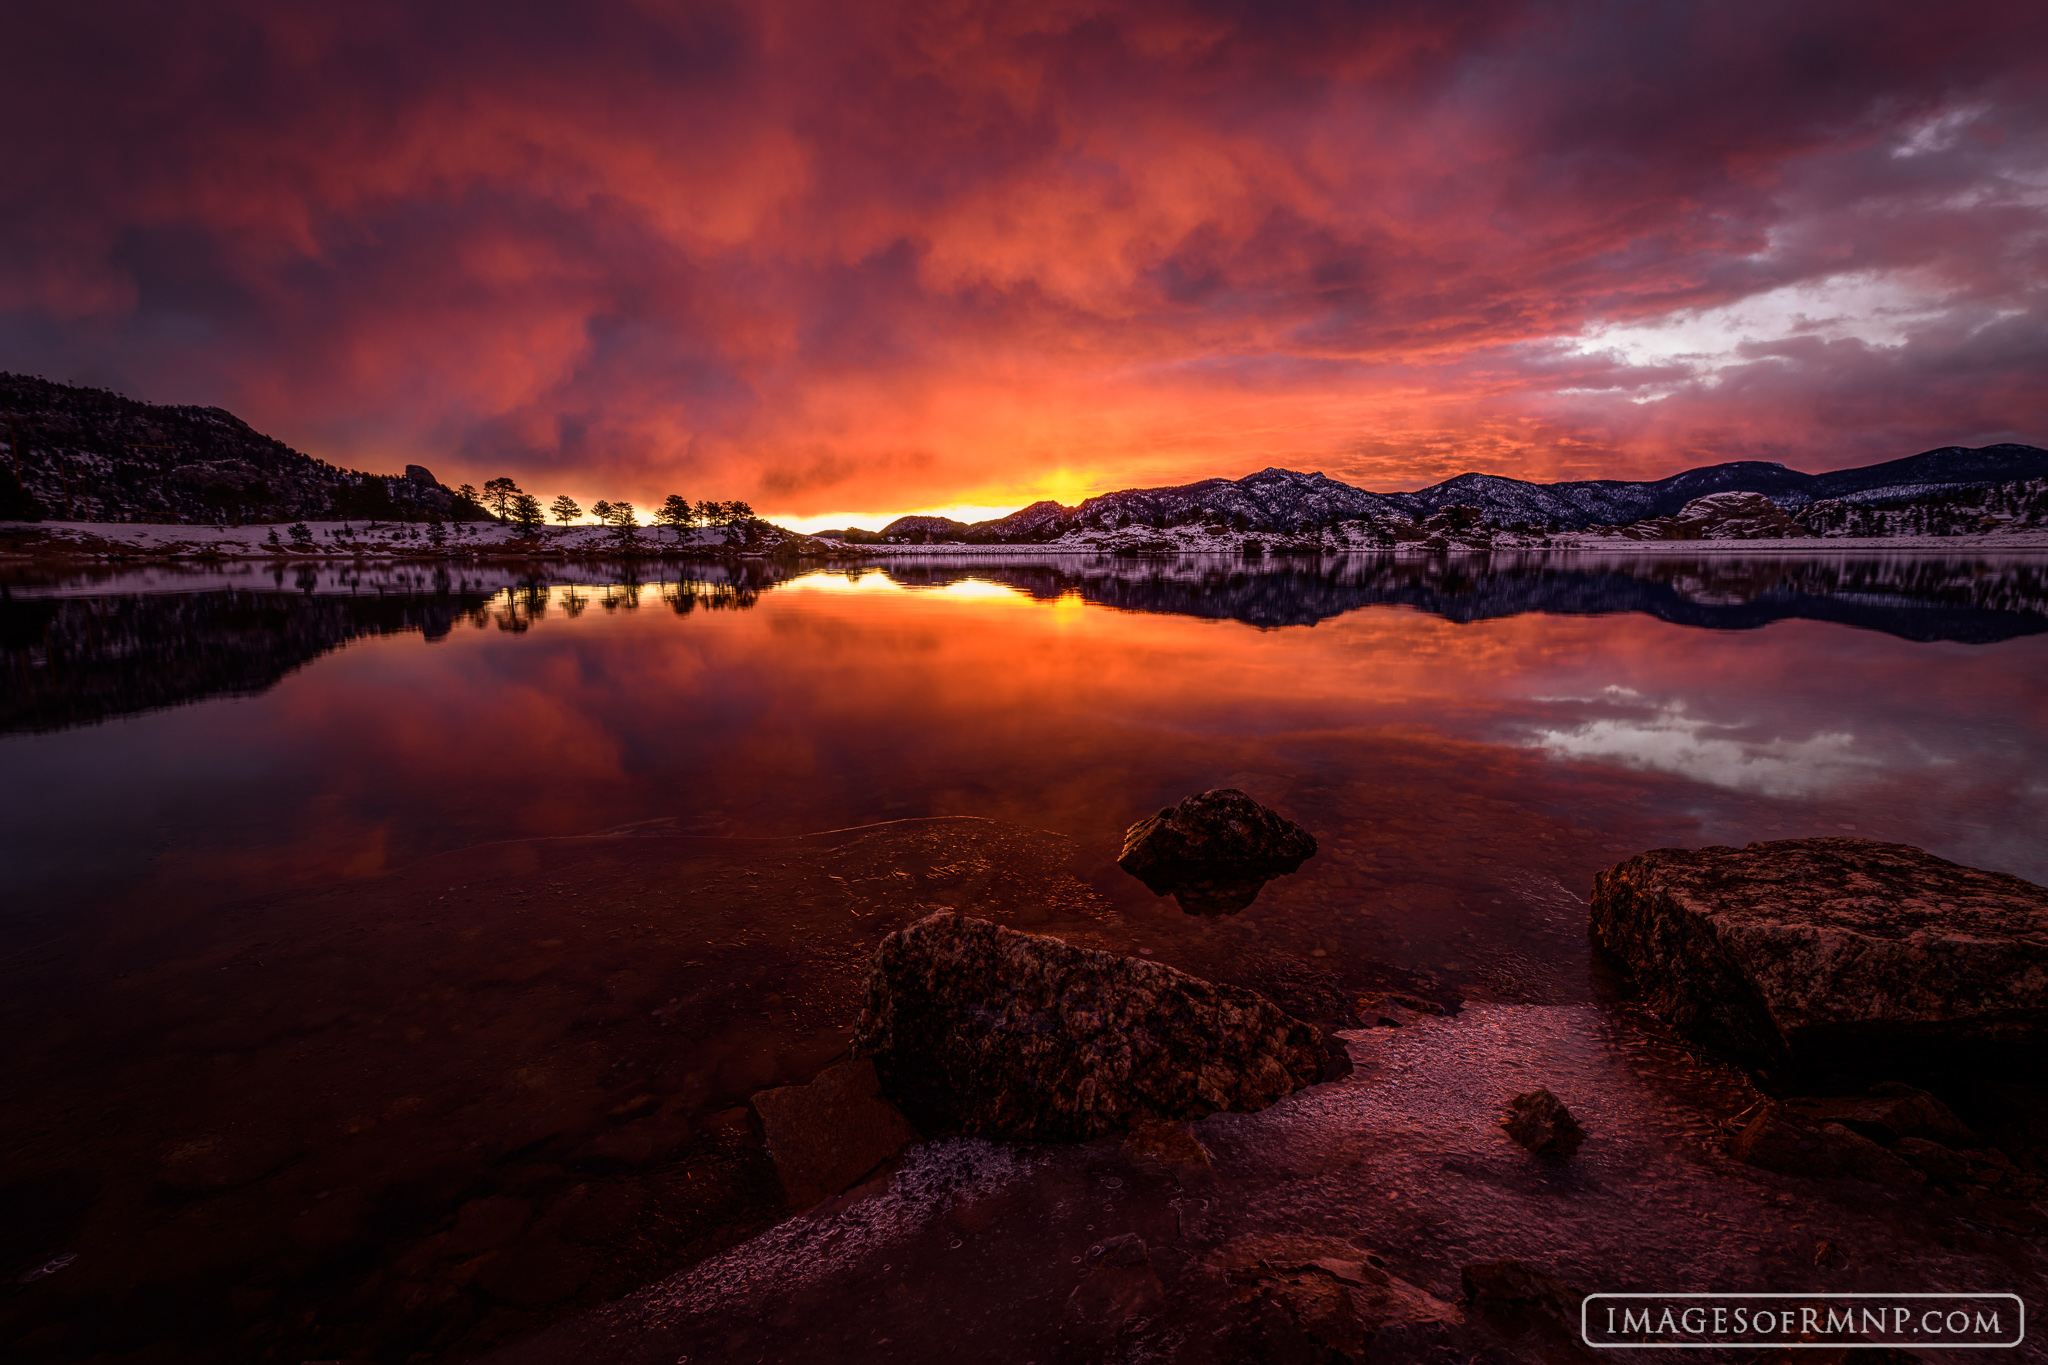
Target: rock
column 1778, row 1139
column 1170, row 1144
column 1393, row 1009
column 980, row 1029
column 420, row 474
column 1512, row 1287
column 536, row 1272
column 1830, row 954
column 1721, row 516
column 1540, row 1122
column 225, row 1162
column 640, row 1142
column 1888, row 1113
column 1326, row 1300
column 486, row 1224
column 1836, row 1355
column 1944, row 1166
column 1126, row 1250
column 825, row 1136
column 1213, row 852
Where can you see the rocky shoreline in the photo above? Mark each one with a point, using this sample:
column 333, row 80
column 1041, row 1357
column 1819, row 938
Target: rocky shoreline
column 905, row 1092
column 1426, row 1203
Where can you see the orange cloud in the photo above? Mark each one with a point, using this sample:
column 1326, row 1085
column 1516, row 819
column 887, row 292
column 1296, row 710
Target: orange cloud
column 890, row 256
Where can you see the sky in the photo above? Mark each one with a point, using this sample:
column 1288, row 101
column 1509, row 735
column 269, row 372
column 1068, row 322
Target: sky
column 845, row 261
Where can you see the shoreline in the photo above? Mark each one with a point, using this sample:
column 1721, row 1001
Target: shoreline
column 336, row 542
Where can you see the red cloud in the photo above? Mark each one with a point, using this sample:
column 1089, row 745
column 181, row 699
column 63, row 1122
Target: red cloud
column 870, row 257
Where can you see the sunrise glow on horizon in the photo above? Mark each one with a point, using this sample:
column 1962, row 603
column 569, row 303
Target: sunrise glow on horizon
column 850, row 262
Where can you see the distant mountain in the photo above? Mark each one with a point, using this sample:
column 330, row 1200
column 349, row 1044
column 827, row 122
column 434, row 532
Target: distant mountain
column 1281, row 500
column 84, row 454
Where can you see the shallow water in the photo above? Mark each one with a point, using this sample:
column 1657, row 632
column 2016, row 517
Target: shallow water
column 202, row 762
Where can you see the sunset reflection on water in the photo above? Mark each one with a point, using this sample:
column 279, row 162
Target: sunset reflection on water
column 292, row 914
column 1437, row 761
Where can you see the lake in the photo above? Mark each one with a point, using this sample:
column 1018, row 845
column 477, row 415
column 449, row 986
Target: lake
column 217, row 775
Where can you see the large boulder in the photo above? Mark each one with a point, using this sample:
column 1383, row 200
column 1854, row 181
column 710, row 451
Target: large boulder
column 1831, row 954
column 1213, row 852
column 979, row 1029
column 1722, row 516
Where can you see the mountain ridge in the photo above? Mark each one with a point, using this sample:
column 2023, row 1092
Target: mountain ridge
column 1283, row 500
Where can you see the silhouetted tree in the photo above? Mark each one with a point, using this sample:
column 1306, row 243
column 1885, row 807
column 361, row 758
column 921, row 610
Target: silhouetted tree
column 564, row 509
column 623, row 520
column 724, row 513
column 677, row 514
column 498, row 495
column 526, row 510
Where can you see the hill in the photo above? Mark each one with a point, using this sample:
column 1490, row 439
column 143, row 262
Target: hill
column 85, row 454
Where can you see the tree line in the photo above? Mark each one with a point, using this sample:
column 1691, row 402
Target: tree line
column 504, row 499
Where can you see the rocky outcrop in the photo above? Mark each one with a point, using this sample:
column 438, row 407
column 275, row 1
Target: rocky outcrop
column 1834, row 953
column 1213, row 852
column 1721, row 516
column 86, row 454
column 823, row 1137
column 979, row 1029
column 1540, row 1122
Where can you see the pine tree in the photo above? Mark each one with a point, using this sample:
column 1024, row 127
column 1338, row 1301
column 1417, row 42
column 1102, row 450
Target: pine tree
column 677, row 514
column 498, row 496
column 565, row 509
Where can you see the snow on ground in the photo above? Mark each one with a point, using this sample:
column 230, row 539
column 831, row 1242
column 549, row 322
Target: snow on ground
column 337, row 539
column 330, row 538
column 1198, row 540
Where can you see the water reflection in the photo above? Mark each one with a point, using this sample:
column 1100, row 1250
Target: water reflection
column 1075, row 695
column 82, row 650
column 336, row 876
column 1964, row 597
column 73, row 654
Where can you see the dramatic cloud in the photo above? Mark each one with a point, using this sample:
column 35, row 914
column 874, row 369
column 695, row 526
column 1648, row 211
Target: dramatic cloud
column 859, row 258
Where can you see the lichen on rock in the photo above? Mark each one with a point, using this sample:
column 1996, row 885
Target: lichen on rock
column 978, row 1029
column 1831, row 952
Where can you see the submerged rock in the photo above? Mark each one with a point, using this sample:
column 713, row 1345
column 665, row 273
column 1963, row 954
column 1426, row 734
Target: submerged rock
column 1889, row 1112
column 1778, row 1139
column 1834, row 952
column 823, row 1137
column 1540, row 1122
column 980, row 1029
column 1214, row 852
column 1323, row 1299
column 1518, row 1295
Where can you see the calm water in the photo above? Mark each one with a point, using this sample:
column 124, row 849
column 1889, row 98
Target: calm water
column 304, row 1038
column 1446, row 731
